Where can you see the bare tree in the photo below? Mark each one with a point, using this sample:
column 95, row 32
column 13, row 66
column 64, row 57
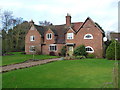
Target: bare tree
column 45, row 23
column 16, row 21
column 6, row 20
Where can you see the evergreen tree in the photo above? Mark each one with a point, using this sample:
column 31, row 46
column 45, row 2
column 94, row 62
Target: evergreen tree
column 110, row 53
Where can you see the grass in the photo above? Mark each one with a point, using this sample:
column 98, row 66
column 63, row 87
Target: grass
column 85, row 73
column 18, row 58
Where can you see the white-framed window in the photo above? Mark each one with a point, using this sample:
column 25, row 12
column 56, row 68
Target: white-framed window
column 32, row 49
column 88, row 36
column 49, row 36
column 89, row 49
column 32, row 38
column 70, row 36
column 52, row 47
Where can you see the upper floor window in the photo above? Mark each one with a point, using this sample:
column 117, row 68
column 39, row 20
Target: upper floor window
column 52, row 47
column 89, row 49
column 88, row 36
column 32, row 38
column 32, row 49
column 70, row 35
column 49, row 36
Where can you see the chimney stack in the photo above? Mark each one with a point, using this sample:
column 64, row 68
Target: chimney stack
column 68, row 19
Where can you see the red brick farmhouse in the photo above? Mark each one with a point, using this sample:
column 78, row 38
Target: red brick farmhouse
column 52, row 38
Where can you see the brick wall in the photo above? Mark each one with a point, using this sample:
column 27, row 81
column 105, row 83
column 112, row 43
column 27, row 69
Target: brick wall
column 51, row 41
column 88, row 28
column 96, row 43
column 29, row 43
column 45, row 49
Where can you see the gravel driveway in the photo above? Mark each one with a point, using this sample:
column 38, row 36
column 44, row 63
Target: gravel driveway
column 25, row 64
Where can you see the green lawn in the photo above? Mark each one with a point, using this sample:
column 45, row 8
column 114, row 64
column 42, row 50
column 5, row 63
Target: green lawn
column 18, row 57
column 85, row 73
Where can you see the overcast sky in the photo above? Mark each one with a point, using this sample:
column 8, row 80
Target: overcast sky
column 104, row 12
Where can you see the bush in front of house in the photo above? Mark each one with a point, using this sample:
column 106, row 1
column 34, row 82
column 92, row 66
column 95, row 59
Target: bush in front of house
column 90, row 55
column 80, row 51
column 37, row 50
column 80, row 57
column 63, row 51
column 110, row 53
column 52, row 53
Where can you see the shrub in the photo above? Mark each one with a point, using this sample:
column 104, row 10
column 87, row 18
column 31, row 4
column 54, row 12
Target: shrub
column 37, row 49
column 80, row 51
column 91, row 55
column 63, row 51
column 106, row 44
column 69, row 58
column 80, row 57
column 52, row 54
column 110, row 53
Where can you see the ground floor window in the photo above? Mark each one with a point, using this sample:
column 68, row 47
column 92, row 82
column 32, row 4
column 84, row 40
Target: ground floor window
column 89, row 49
column 32, row 48
column 52, row 47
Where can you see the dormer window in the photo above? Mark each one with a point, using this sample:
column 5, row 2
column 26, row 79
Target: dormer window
column 70, row 36
column 89, row 49
column 32, row 38
column 88, row 36
column 49, row 36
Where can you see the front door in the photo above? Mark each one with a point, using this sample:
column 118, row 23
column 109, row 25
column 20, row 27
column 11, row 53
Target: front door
column 70, row 50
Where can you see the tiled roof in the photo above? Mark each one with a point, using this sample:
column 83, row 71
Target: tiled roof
column 58, row 30
column 41, row 29
column 61, row 30
column 76, row 25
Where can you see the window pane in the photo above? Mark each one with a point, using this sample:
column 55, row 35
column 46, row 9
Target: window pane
column 89, row 49
column 69, row 35
column 33, row 38
column 50, row 36
column 32, row 48
column 88, row 36
column 53, row 48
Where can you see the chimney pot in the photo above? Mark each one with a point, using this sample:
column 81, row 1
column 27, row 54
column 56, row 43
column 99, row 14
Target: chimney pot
column 68, row 20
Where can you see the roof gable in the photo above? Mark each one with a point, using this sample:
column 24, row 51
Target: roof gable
column 96, row 25
column 53, row 31
column 58, row 30
column 71, row 30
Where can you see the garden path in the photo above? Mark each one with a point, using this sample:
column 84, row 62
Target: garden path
column 25, row 64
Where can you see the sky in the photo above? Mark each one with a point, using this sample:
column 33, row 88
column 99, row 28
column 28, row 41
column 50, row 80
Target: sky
column 104, row 12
